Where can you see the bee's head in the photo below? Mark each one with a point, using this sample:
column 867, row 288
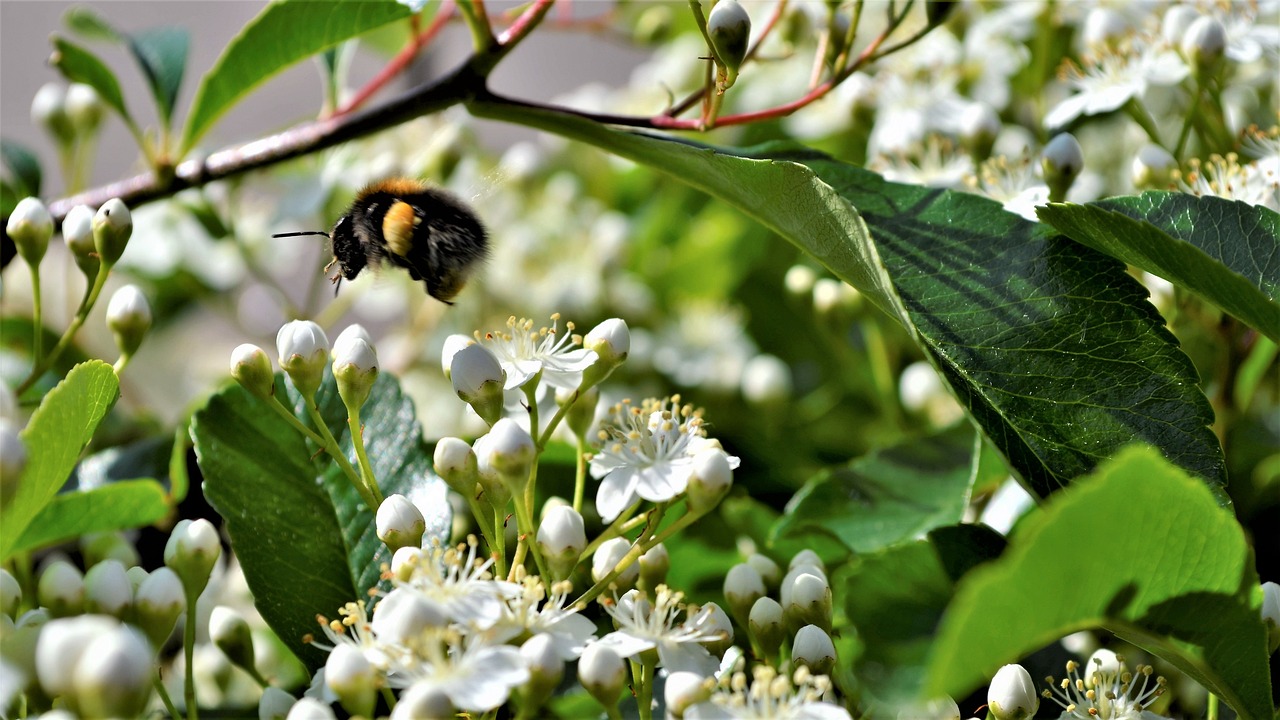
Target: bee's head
column 346, row 248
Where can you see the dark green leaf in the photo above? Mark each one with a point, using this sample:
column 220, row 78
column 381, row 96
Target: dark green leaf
column 79, row 65
column 896, row 599
column 23, row 166
column 890, row 495
column 1051, row 346
column 1225, row 251
column 55, row 436
column 1139, row 548
column 90, row 24
column 294, row 521
column 162, row 54
column 284, row 33
column 123, row 505
column 148, row 457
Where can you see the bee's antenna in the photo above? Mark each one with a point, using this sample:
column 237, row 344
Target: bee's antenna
column 296, row 234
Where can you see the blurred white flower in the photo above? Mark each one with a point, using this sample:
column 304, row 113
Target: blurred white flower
column 936, row 162
column 1113, row 78
column 781, row 696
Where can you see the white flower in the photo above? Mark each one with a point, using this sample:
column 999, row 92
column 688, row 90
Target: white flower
column 648, row 453
column 460, row 584
column 354, row 628
column 1106, row 690
column 525, row 352
column 1012, row 694
column 1257, row 183
column 1110, row 80
column 935, row 162
column 645, row 626
column 532, row 612
column 1014, row 184
column 473, row 675
column 772, row 695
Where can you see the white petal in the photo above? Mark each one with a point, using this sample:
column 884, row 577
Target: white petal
column 616, row 492
column 689, row 657
column 1066, row 111
column 570, row 633
column 486, row 680
column 660, row 483
column 625, row 644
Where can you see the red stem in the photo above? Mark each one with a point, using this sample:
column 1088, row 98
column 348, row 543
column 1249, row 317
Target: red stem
column 400, row 61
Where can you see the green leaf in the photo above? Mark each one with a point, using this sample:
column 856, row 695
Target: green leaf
column 90, row 24
column 890, row 495
column 162, row 54
column 57, row 433
column 305, row 541
column 1139, row 548
column 1225, row 251
column 123, row 505
column 896, row 599
column 1050, row 345
column 79, row 65
column 23, row 166
column 284, row 33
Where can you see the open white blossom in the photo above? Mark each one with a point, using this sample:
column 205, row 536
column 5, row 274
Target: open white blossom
column 648, row 453
column 644, row 625
column 460, row 583
column 534, row 612
column 1106, row 690
column 1113, row 78
column 474, row 676
column 770, row 694
column 524, row 352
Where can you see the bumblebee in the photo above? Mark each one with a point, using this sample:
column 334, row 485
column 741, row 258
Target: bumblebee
column 409, row 224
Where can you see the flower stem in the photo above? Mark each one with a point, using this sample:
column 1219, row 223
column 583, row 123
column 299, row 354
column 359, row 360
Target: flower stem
column 1139, row 113
column 82, row 313
column 619, row 525
column 500, row 538
column 189, row 653
column 644, row 687
column 641, row 546
column 330, row 446
column 164, row 697
column 580, row 474
column 524, row 522
column 357, row 441
column 37, row 339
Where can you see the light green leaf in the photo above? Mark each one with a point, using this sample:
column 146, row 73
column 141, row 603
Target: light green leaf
column 1051, row 346
column 1139, row 548
column 58, row 431
column 23, row 167
column 90, row 24
column 79, row 65
column 123, row 505
column 162, row 54
column 303, row 537
column 284, row 33
column 890, row 495
column 1225, row 251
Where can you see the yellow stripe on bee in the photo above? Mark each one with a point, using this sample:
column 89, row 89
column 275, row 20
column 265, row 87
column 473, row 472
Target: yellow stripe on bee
column 398, row 226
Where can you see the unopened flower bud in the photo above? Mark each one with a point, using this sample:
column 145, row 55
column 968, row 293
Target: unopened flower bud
column 10, row 594
column 303, row 351
column 494, row 490
column 112, row 227
column 455, row 462
column 510, row 452
column 400, row 523
column 813, row 648
column 310, row 709
column 799, row 280
column 768, row 569
column 1176, row 20
column 1103, row 28
column 712, row 620
column 355, row 366
column 61, row 644
column 979, row 126
column 654, row 565
column 809, row 602
column 478, row 379
column 49, row 110
column 85, row 108
column 13, row 460
column 1012, row 695
column 611, row 342
column 403, row 615
column 1102, row 662
column 685, row 689
column 1271, row 614
column 424, row 701
column 561, row 537
column 77, row 232
column 607, row 557
column 766, row 380
column 742, row 587
column 797, row 569
column 192, row 552
column 61, row 589
column 1062, row 160
column 114, row 675
column 602, row 673
column 231, row 634
column 710, row 480
column 251, row 367
column 129, row 317
column 30, row 226
column 96, row 547
column 766, row 625
column 1153, row 168
column 107, row 590
column 1203, row 45
column 582, row 414
column 729, row 27
column 275, row 704
column 546, row 670
column 452, row 345
column 352, row 678
column 157, row 604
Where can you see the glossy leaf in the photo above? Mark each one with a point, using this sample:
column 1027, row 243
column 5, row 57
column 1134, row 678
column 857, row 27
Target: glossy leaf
column 1225, row 251
column 1051, row 346
column 296, row 523
column 79, row 65
column 23, row 167
column 890, row 495
column 56, row 434
column 162, row 54
column 123, row 505
column 1139, row 548
column 281, row 35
